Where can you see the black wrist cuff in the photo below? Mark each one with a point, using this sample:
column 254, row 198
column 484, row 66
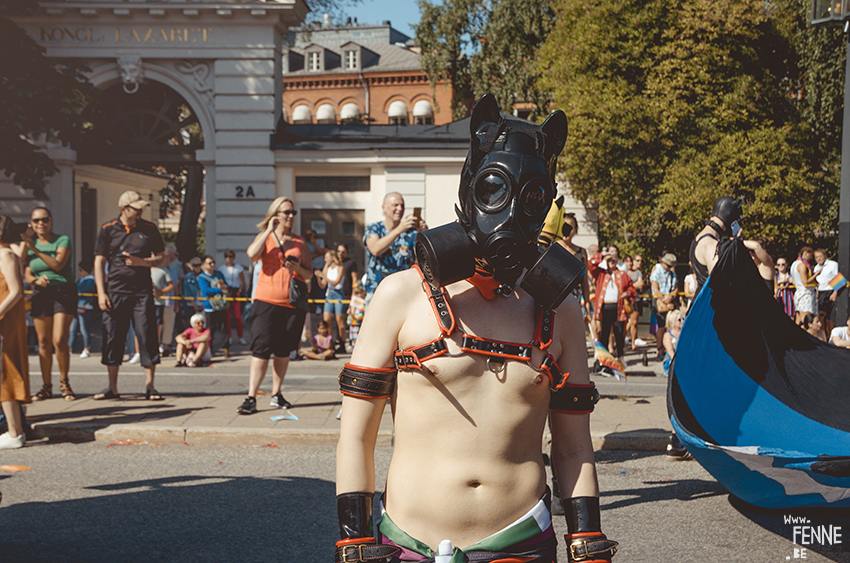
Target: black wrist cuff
column 354, row 511
column 582, row 514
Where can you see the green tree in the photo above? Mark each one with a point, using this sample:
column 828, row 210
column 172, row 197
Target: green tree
column 673, row 104
column 480, row 46
column 40, row 101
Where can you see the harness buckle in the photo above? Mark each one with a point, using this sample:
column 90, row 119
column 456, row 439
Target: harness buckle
column 574, row 553
column 358, row 547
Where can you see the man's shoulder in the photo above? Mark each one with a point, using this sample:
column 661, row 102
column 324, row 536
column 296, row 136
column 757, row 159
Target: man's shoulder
column 401, row 283
column 110, row 225
column 147, row 225
column 375, row 228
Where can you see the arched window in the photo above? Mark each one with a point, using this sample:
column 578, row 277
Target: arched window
column 397, row 113
column 349, row 111
column 301, row 115
column 325, row 114
column 423, row 113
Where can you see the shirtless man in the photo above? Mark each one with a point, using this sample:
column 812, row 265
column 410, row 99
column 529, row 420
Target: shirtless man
column 469, row 408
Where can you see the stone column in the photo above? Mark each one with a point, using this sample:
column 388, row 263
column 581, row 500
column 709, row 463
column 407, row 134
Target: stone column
column 246, row 104
column 60, row 192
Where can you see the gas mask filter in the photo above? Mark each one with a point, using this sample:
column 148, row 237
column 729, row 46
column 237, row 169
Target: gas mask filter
column 506, row 191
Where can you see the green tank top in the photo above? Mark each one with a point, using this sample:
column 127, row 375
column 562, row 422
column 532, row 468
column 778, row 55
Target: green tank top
column 38, row 267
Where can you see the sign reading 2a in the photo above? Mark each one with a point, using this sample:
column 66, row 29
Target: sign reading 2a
column 242, row 191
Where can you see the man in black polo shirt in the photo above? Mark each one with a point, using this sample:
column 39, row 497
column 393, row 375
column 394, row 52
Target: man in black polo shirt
column 129, row 247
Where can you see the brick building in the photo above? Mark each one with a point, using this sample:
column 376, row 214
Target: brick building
column 358, row 73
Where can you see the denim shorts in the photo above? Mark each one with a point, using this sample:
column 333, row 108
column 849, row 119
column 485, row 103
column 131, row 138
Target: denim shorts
column 335, row 308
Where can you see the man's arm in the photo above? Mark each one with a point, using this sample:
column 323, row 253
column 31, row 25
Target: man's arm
column 766, row 267
column 355, row 470
column 379, row 245
column 100, row 281
column 377, row 343
column 152, row 261
column 706, row 253
column 839, row 341
column 804, row 274
column 572, row 448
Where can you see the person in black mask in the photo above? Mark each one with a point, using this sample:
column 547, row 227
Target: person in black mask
column 471, row 345
column 725, row 221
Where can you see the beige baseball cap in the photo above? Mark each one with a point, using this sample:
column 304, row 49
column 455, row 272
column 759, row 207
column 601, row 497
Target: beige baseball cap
column 132, row 199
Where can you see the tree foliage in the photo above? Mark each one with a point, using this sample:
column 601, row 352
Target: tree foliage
column 40, row 101
column 672, row 104
column 481, row 46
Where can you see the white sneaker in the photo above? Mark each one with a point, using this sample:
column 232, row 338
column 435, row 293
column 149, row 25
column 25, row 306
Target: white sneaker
column 9, row 443
column 135, row 359
column 640, row 342
column 85, row 354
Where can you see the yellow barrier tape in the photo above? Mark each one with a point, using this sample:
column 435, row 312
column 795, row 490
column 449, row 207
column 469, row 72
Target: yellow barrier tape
column 180, row 298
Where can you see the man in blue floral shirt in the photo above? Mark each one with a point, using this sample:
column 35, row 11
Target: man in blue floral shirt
column 389, row 243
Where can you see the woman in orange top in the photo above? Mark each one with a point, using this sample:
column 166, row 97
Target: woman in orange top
column 275, row 323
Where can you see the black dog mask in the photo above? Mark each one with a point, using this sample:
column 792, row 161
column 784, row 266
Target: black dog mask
column 507, row 185
column 506, row 190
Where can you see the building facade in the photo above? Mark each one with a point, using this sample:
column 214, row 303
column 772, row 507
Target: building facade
column 202, row 86
column 359, row 73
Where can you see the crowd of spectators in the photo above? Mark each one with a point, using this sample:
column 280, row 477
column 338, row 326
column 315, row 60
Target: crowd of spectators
column 151, row 302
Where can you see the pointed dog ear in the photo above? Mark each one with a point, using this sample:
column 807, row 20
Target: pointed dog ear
column 486, row 109
column 555, row 128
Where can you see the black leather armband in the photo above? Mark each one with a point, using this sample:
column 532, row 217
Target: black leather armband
column 576, row 399
column 585, row 540
column 354, row 511
column 582, row 514
column 370, row 383
column 357, row 543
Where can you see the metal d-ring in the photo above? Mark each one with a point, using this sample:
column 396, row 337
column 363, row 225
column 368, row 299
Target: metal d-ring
column 500, row 370
column 449, row 355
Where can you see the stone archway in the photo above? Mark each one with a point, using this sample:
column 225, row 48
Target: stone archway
column 149, row 125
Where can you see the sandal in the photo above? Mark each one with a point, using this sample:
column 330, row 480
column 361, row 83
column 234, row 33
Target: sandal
column 105, row 394
column 67, row 393
column 152, row 394
column 45, row 393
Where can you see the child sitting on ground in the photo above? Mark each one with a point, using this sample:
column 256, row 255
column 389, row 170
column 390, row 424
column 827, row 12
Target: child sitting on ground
column 356, row 310
column 322, row 348
column 193, row 344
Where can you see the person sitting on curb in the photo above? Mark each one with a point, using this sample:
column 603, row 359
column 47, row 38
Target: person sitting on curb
column 322, row 345
column 193, row 344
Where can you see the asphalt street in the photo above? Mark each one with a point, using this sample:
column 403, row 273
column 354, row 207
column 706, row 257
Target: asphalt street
column 94, row 502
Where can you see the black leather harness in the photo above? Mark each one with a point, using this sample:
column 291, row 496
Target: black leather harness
column 361, row 381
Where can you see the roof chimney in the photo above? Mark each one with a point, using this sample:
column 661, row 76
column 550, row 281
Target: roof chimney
column 326, row 20
column 386, row 22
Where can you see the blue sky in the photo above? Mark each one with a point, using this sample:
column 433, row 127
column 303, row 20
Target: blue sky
column 402, row 13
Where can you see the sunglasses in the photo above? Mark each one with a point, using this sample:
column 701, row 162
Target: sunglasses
column 196, row 265
column 289, row 212
column 40, row 219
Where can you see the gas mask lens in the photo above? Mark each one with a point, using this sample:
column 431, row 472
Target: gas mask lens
column 535, row 200
column 491, row 191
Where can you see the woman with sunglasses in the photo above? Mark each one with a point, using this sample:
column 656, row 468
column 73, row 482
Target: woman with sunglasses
column 275, row 322
column 54, row 302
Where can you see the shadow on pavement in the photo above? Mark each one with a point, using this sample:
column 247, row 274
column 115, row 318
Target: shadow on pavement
column 186, row 518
